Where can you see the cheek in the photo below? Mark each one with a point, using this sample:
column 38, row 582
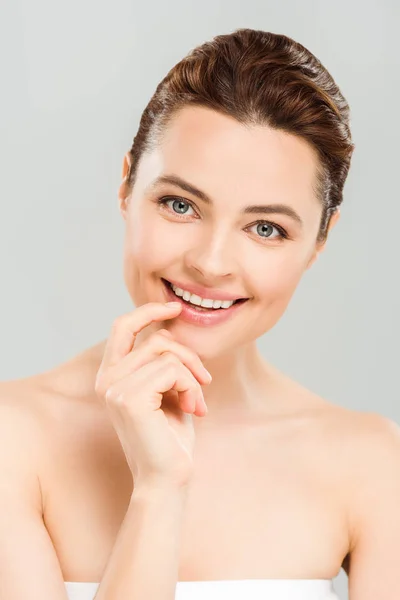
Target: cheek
column 275, row 285
column 278, row 274
column 151, row 242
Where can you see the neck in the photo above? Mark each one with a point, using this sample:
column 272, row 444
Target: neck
column 241, row 382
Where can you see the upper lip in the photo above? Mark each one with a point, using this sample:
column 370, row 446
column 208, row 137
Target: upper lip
column 206, row 293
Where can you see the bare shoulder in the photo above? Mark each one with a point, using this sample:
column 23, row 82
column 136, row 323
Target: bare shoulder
column 359, row 439
column 35, row 409
column 64, row 390
column 363, row 434
column 29, row 418
column 21, row 434
column 372, row 443
column 25, row 403
column 366, row 456
column 20, row 405
column 23, row 409
column 359, row 445
column 40, row 418
column 355, row 430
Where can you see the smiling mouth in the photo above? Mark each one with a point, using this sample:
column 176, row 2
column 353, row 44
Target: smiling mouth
column 168, row 284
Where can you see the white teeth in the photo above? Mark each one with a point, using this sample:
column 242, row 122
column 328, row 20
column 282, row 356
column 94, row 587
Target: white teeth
column 197, row 301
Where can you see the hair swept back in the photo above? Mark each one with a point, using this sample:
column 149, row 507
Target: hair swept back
column 259, row 78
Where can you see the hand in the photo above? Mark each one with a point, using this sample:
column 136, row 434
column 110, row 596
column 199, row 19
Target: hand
column 151, row 392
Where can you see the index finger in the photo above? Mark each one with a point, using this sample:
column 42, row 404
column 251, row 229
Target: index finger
column 126, row 327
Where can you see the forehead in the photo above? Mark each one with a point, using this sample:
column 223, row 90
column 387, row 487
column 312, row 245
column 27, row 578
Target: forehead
column 225, row 158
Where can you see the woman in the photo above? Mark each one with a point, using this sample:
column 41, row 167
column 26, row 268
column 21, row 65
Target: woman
column 172, row 460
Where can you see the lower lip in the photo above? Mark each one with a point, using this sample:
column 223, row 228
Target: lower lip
column 213, row 316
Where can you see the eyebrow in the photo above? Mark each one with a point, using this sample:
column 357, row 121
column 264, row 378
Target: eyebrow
column 283, row 209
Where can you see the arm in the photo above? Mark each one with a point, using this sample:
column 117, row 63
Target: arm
column 374, row 563
column 145, row 559
column 29, row 567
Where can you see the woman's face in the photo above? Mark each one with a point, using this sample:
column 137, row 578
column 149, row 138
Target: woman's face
column 217, row 244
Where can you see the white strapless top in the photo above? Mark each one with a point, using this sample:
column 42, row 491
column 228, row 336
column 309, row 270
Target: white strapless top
column 240, row 589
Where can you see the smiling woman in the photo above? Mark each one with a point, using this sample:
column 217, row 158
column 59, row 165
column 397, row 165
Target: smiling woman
column 203, row 471
column 216, row 202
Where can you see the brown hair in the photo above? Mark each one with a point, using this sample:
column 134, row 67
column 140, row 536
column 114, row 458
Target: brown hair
column 259, row 78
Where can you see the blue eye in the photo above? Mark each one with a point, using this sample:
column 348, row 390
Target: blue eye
column 180, row 204
column 268, row 225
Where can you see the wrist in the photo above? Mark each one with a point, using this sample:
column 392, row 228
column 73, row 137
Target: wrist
column 152, row 490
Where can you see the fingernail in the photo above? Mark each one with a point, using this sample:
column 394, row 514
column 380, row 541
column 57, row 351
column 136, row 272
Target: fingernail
column 173, row 304
column 208, row 375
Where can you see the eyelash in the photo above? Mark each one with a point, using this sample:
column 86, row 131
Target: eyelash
column 282, row 232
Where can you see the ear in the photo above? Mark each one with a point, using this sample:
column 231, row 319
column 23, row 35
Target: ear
column 320, row 247
column 123, row 191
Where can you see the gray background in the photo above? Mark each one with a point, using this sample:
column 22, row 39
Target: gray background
column 75, row 77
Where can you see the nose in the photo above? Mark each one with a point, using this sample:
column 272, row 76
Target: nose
column 213, row 259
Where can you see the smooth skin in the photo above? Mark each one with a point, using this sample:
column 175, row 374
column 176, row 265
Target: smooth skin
column 284, row 484
column 147, row 391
